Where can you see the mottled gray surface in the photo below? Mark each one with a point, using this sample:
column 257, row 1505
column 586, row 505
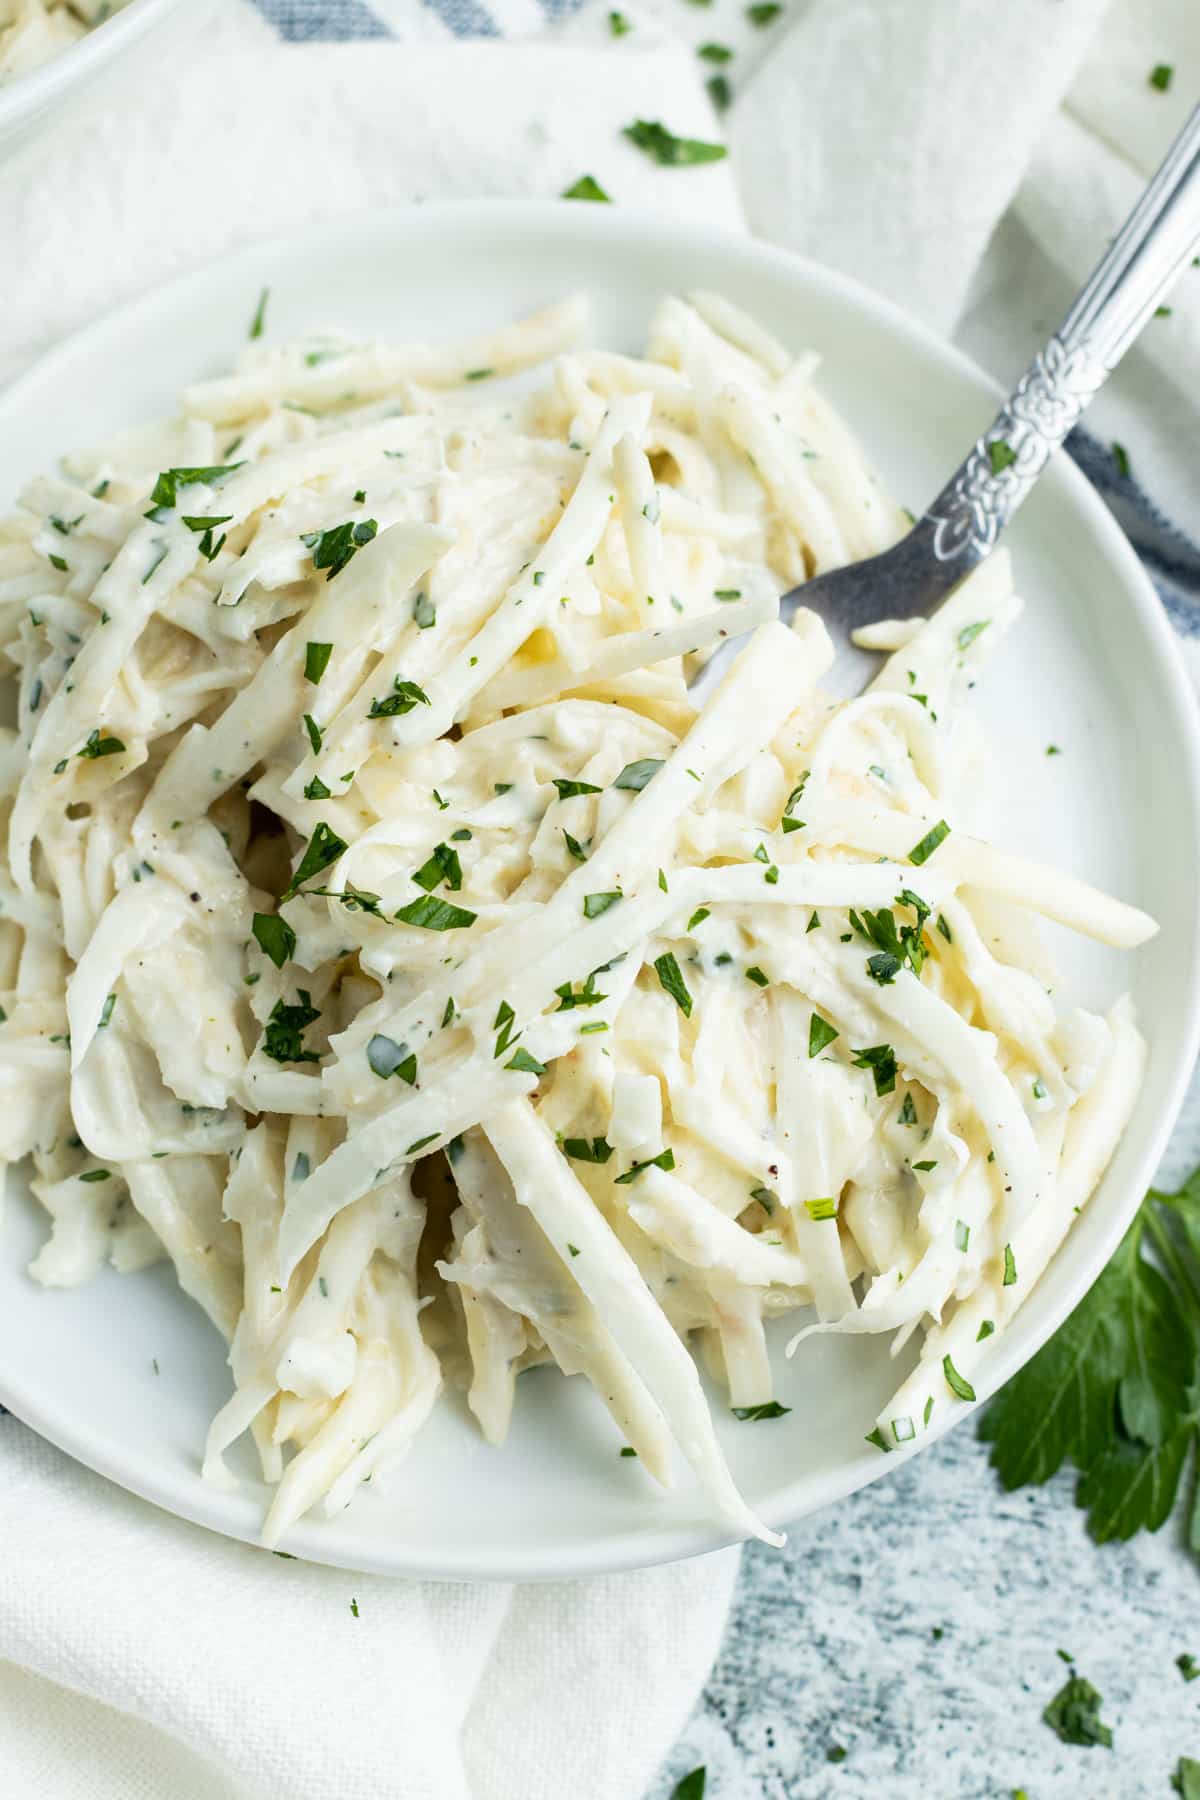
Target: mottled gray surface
column 832, row 1641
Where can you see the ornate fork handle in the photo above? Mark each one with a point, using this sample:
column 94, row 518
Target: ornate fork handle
column 1159, row 237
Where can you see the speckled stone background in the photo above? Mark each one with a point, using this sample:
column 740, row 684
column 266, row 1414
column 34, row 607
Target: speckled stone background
column 917, row 1625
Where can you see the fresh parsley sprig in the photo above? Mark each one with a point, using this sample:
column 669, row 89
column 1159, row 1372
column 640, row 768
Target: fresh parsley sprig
column 1116, row 1391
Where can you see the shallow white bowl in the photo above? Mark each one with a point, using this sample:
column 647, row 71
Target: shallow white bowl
column 32, row 102
column 125, row 1374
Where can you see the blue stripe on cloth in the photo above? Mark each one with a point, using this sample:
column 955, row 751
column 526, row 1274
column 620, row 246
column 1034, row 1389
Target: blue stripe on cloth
column 465, row 18
column 325, row 21
column 1170, row 557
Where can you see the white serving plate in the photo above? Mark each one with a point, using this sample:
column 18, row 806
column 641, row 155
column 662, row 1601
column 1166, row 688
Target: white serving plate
column 31, row 103
column 1093, row 668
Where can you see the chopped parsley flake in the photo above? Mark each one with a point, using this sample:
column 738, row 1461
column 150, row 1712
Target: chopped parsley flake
column 586, row 188
column 98, row 745
column 820, row 1033
column 664, row 1160
column 672, row 981
column 387, row 1058
column 920, row 853
column 637, row 775
column 324, row 848
column 669, row 151
column 769, row 1409
column 404, row 696
column 1074, row 1714
column 274, row 937
column 881, row 1060
column 443, row 866
column 282, row 1040
column 334, row 548
column 432, row 914
column 595, row 904
column 316, row 661
column 588, row 1150
column 958, row 1384
column 824, row 1208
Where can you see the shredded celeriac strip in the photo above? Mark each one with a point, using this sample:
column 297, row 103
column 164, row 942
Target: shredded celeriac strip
column 390, row 938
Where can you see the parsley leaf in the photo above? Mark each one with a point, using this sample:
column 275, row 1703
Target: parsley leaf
column 316, row 661
column 1074, row 1715
column 275, row 937
column 387, row 1058
column 333, row 549
column 921, row 853
column 767, row 1409
column 664, row 1160
column 669, row 975
column 881, row 1060
column 666, row 149
column 435, row 915
column 282, row 1039
column 324, row 847
column 637, row 775
column 692, row 1786
column 590, row 1150
column 586, row 188
column 100, row 746
column 443, row 865
column 567, row 790
column 595, row 904
column 820, row 1033
column 1116, row 1391
column 404, row 696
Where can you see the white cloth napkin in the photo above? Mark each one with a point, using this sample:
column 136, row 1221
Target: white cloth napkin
column 969, row 158
column 213, row 1671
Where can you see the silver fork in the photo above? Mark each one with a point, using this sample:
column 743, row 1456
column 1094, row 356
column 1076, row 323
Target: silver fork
column 961, row 525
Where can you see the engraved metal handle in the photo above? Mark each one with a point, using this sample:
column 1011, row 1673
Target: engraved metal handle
column 1160, row 236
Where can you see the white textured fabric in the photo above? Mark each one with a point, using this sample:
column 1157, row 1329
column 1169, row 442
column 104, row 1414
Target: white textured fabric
column 892, row 141
column 966, row 156
column 212, row 1671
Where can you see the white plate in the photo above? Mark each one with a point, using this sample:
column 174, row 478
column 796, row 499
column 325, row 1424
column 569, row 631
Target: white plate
column 1093, row 668
column 31, row 102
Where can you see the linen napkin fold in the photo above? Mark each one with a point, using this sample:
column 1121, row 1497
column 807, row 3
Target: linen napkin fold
column 971, row 161
column 210, row 1670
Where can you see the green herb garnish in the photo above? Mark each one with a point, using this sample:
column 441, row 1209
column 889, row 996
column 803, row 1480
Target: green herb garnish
column 324, row 847
column 586, row 188
column 637, row 775
column 920, row 853
column 1074, row 1715
column 404, row 696
column 666, row 149
column 672, row 981
column 274, row 936
column 333, row 549
column 282, row 1040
